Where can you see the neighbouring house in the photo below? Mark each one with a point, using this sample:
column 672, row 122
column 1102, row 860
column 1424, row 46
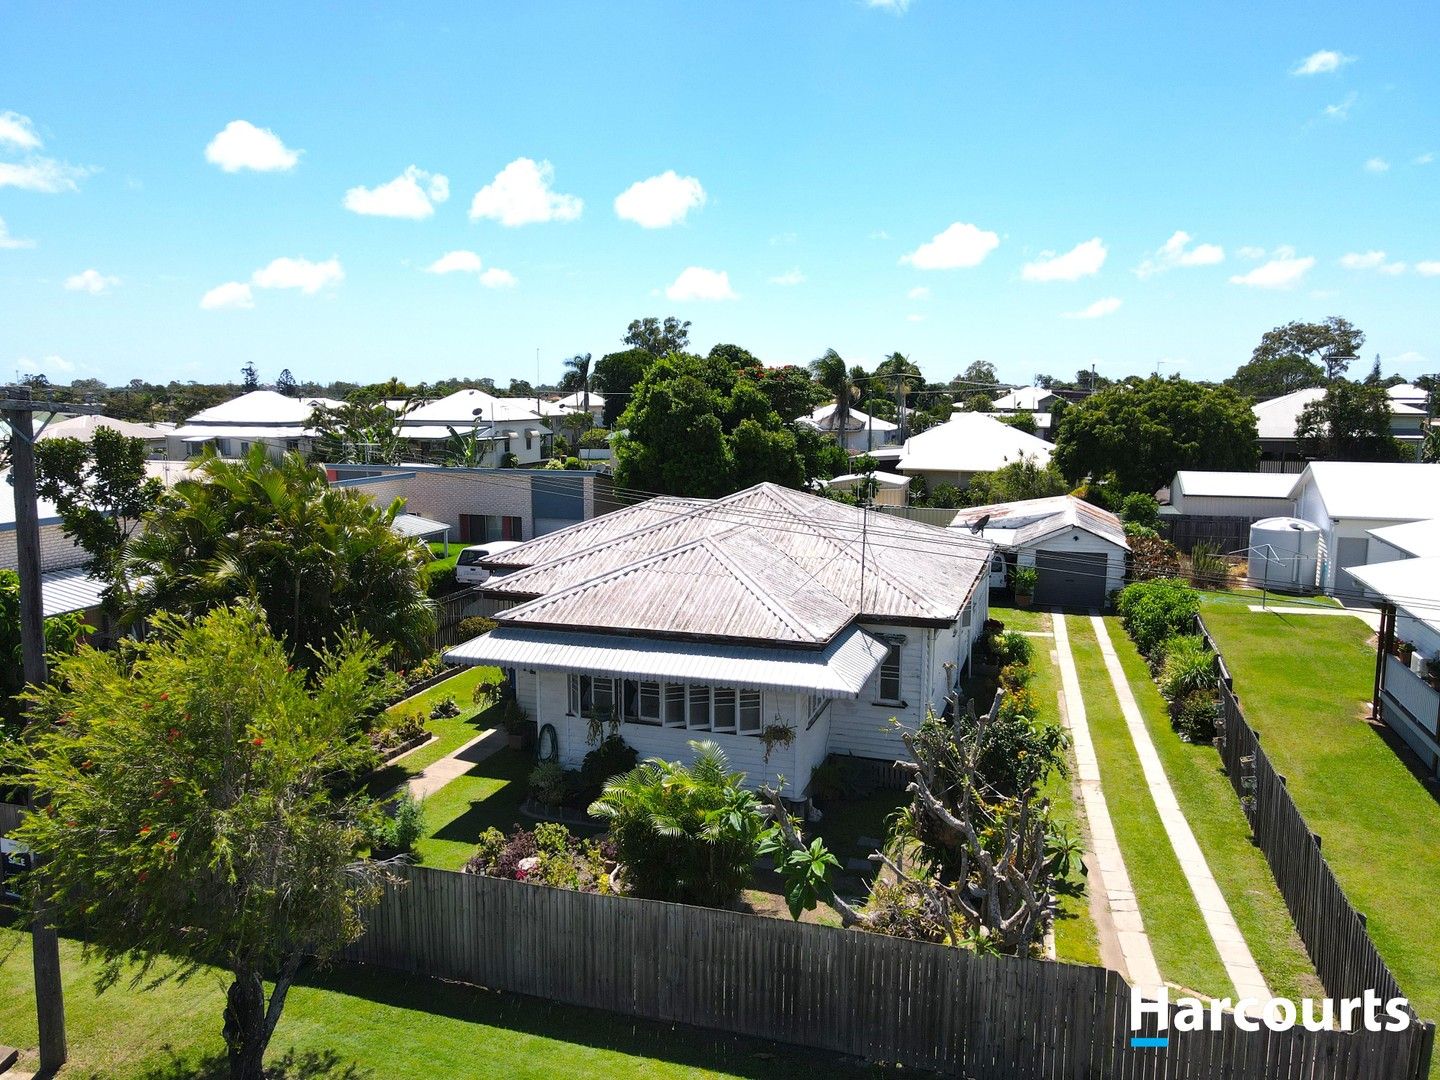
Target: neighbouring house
column 1078, row 550
column 83, row 428
column 966, row 444
column 479, row 505
column 1044, row 421
column 57, row 551
column 573, row 403
column 503, row 425
column 1033, row 399
column 1218, row 508
column 862, row 433
column 263, row 417
column 1276, row 420
column 1407, row 682
column 891, row 489
column 1409, row 394
column 783, row 625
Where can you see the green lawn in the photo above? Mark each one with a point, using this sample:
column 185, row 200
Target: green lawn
column 1184, row 950
column 439, row 560
column 1305, row 683
column 1021, row 618
column 451, row 734
column 355, row 1023
column 1212, row 809
column 1242, row 599
column 489, row 794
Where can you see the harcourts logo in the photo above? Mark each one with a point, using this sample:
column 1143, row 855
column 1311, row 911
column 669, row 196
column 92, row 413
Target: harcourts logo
column 1249, row 1014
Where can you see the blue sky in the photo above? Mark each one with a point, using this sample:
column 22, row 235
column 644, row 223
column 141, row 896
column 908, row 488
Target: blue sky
column 952, row 182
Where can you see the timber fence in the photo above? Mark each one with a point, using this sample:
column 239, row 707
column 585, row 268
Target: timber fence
column 880, row 998
column 1334, row 933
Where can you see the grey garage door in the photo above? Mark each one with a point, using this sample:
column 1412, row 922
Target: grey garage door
column 1070, row 579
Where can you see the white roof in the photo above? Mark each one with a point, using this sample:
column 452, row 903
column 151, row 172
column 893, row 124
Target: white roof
column 63, row 591
column 1016, row 524
column 45, row 510
column 884, row 479
column 1233, row 485
column 1042, row 419
column 1277, row 417
column 574, row 401
column 1410, row 584
column 971, row 442
column 1024, row 399
column 823, row 419
column 1408, row 392
column 83, row 428
column 839, row 670
column 1418, row 538
column 206, row 432
column 264, row 407
column 442, row 431
column 459, row 408
column 417, row 526
column 1379, row 490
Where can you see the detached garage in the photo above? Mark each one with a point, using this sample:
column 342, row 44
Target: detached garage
column 1077, row 549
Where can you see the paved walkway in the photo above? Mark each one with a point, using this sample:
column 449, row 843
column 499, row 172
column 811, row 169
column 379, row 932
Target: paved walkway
column 439, row 773
column 1135, row 951
column 1234, row 953
column 1369, row 616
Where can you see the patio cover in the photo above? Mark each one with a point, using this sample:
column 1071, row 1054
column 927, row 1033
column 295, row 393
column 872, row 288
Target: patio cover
column 840, row 670
column 417, row 526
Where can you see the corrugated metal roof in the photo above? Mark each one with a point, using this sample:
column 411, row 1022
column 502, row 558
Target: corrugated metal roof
column 1419, row 538
column 63, row 591
column 459, row 409
column 823, row 419
column 1030, row 520
column 1232, row 485
column 971, row 442
column 839, row 670
column 1410, row 584
column 83, row 428
column 262, row 407
column 415, row 525
column 597, row 530
column 1378, row 490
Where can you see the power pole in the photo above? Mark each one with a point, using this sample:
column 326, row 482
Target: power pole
column 18, row 408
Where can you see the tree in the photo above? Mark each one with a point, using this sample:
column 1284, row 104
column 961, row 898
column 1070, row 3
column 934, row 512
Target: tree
column 519, row 388
column 1297, row 356
column 1142, row 432
column 790, row 390
column 1016, row 482
column 579, row 366
column 317, row 559
column 657, row 338
column 1350, row 423
column 285, row 382
column 249, row 377
column 190, row 818
column 616, row 376
column 1430, row 448
column 831, row 372
column 102, row 491
column 901, row 378
column 62, row 634
column 363, row 430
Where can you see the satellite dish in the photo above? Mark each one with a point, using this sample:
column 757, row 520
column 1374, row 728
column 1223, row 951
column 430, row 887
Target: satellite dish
column 978, row 526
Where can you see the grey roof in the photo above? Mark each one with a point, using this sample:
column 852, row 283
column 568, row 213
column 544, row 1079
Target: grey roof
column 62, row 591
column 417, row 526
column 841, row 669
column 1030, row 520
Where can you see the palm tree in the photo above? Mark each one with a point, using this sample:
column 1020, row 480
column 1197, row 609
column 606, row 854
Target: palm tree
column 904, row 378
column 580, row 365
column 320, row 561
column 831, row 373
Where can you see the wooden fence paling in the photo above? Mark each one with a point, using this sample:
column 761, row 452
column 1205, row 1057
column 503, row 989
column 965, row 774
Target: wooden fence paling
column 887, row 999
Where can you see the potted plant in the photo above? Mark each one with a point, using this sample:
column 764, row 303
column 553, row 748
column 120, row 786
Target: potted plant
column 1432, row 671
column 776, row 733
column 1404, row 650
column 1022, row 582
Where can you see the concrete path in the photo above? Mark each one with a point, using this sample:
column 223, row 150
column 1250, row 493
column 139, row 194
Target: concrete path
column 1139, row 961
column 439, row 773
column 1235, row 954
column 1368, row 616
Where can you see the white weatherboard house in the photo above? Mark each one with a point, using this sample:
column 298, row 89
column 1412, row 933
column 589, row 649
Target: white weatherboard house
column 1078, row 550
column 770, row 608
column 278, row 422
column 505, row 425
column 1277, row 418
column 863, row 432
column 966, row 444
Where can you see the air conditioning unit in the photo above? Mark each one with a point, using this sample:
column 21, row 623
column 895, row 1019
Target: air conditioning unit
column 1418, row 663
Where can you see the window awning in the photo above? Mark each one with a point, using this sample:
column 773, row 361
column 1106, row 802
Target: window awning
column 204, row 433
column 840, row 670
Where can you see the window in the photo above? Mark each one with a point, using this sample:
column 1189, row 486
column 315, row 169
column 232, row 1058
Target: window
column 572, row 700
column 749, row 712
column 529, row 441
column 890, row 673
column 602, row 693
column 649, row 705
column 581, row 691
column 674, row 705
column 965, row 616
column 724, row 709
column 700, row 708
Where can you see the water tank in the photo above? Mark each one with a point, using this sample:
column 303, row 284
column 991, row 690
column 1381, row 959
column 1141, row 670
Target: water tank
column 1284, row 552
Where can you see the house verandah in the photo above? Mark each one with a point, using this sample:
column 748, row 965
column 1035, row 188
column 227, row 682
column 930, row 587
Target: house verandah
column 740, row 621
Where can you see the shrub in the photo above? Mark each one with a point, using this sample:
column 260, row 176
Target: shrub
column 549, row 783
column 1153, row 611
column 1015, row 703
column 395, row 730
column 445, row 708
column 1208, row 568
column 595, row 439
column 1139, row 532
column 1140, row 509
column 1195, row 716
column 472, row 626
column 1013, row 647
column 548, row 856
column 487, row 852
column 613, row 757
column 1187, row 667
column 1152, row 557
column 393, row 830
column 443, row 581
column 1015, row 677
column 574, row 463
column 1023, row 579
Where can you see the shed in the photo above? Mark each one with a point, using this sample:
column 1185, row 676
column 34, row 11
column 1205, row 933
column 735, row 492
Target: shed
column 891, row 489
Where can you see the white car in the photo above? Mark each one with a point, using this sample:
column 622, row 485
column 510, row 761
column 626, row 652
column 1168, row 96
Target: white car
column 468, row 570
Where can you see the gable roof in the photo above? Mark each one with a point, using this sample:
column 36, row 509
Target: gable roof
column 574, row 401
column 823, row 419
column 1381, row 490
column 1024, row 399
column 458, row 410
column 971, row 442
column 1015, row 524
column 1276, row 418
column 1410, row 584
column 83, row 428
column 261, row 407
column 1234, row 485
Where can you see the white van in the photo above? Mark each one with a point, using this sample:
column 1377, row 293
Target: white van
column 468, row 570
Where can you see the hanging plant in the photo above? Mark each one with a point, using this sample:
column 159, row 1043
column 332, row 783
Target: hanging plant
column 599, row 723
column 776, row 733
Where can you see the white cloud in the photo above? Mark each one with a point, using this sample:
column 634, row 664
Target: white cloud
column 44, row 364
column 879, row 234
column 463, row 262
column 91, row 281
column 660, row 201
column 1080, row 261
column 495, row 278
column 1251, row 252
column 914, row 318
column 18, row 131
column 1371, row 260
column 1409, row 358
column 233, row 294
column 793, row 276
column 919, row 292
column 1177, row 252
column 1428, row 268
column 1283, row 271
column 309, row 277
column 1098, row 310
column 242, row 145
column 698, row 283
column 520, row 194
column 413, row 194
column 1323, row 62
column 1377, row 165
column 1341, row 109
column 1425, row 158
column 894, row 7
column 1394, row 269
column 11, row 243
column 44, row 175
column 960, row 245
